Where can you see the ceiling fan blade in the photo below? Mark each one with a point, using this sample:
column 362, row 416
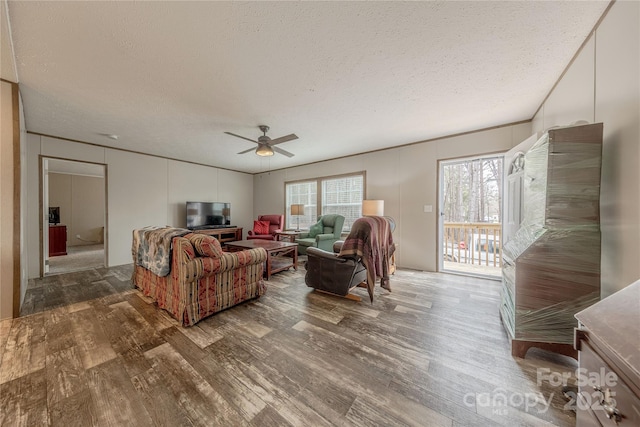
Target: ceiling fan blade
column 283, row 139
column 238, row 136
column 281, row 151
column 246, row 151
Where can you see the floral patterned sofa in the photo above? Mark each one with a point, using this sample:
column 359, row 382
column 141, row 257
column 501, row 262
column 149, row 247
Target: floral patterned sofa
column 190, row 276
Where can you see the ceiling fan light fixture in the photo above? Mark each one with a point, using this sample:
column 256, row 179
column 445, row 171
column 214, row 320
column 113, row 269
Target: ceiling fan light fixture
column 265, row 143
column 264, row 150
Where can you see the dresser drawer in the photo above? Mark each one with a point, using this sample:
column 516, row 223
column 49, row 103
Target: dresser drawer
column 604, row 392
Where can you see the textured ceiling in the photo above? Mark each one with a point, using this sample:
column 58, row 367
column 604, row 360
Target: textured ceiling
column 347, row 77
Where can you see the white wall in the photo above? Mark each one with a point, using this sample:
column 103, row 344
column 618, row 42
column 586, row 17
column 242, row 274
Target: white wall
column 214, row 185
column 602, row 85
column 60, row 196
column 141, row 190
column 179, row 188
column 81, row 202
column 405, row 178
column 88, row 209
column 237, row 189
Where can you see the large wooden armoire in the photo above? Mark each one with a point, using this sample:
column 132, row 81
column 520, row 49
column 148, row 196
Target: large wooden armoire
column 551, row 265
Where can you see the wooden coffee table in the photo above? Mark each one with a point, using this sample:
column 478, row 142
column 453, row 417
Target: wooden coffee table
column 280, row 255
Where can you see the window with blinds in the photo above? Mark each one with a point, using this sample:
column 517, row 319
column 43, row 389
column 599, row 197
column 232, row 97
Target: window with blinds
column 303, row 193
column 341, row 195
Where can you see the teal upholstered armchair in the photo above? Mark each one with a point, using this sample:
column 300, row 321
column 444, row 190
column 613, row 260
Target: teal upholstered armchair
column 321, row 235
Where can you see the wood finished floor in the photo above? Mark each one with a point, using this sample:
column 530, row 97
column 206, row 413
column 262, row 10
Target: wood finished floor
column 431, row 353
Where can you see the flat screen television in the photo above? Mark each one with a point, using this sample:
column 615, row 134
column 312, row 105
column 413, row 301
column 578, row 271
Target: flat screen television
column 208, row 214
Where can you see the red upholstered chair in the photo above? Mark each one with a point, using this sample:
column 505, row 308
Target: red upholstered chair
column 276, row 224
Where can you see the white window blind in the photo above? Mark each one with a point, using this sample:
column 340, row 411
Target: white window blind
column 338, row 195
column 343, row 196
column 304, row 193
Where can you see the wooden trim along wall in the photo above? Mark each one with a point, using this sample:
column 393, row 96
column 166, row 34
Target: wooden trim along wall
column 10, row 211
column 41, row 214
column 17, row 211
column 11, row 224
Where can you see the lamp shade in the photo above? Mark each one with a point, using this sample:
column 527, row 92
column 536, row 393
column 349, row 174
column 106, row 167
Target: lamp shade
column 297, row 209
column 373, row 207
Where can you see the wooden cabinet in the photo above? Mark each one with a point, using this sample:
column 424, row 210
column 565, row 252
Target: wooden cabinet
column 608, row 341
column 57, row 240
column 228, row 234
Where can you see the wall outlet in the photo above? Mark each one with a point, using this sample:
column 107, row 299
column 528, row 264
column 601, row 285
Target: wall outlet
column 428, row 208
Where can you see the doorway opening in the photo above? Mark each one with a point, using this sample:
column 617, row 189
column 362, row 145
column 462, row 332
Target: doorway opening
column 73, row 216
column 470, row 222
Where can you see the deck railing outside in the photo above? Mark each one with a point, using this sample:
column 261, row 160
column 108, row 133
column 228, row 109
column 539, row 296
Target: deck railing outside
column 475, row 243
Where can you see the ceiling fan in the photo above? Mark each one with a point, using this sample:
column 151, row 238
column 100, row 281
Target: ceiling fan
column 266, row 144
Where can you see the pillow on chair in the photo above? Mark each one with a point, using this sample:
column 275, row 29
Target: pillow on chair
column 315, row 229
column 260, row 227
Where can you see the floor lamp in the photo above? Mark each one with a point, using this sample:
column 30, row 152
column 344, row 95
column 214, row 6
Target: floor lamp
column 297, row 210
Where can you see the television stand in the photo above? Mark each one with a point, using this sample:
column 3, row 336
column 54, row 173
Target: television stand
column 223, row 234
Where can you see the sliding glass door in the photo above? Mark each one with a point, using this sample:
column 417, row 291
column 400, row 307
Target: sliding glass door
column 470, row 224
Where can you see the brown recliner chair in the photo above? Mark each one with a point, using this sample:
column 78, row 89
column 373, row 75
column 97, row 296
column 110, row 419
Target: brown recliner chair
column 329, row 272
column 338, row 274
column 276, row 225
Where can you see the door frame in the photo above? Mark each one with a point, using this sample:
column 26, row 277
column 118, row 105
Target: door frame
column 44, row 205
column 440, row 206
